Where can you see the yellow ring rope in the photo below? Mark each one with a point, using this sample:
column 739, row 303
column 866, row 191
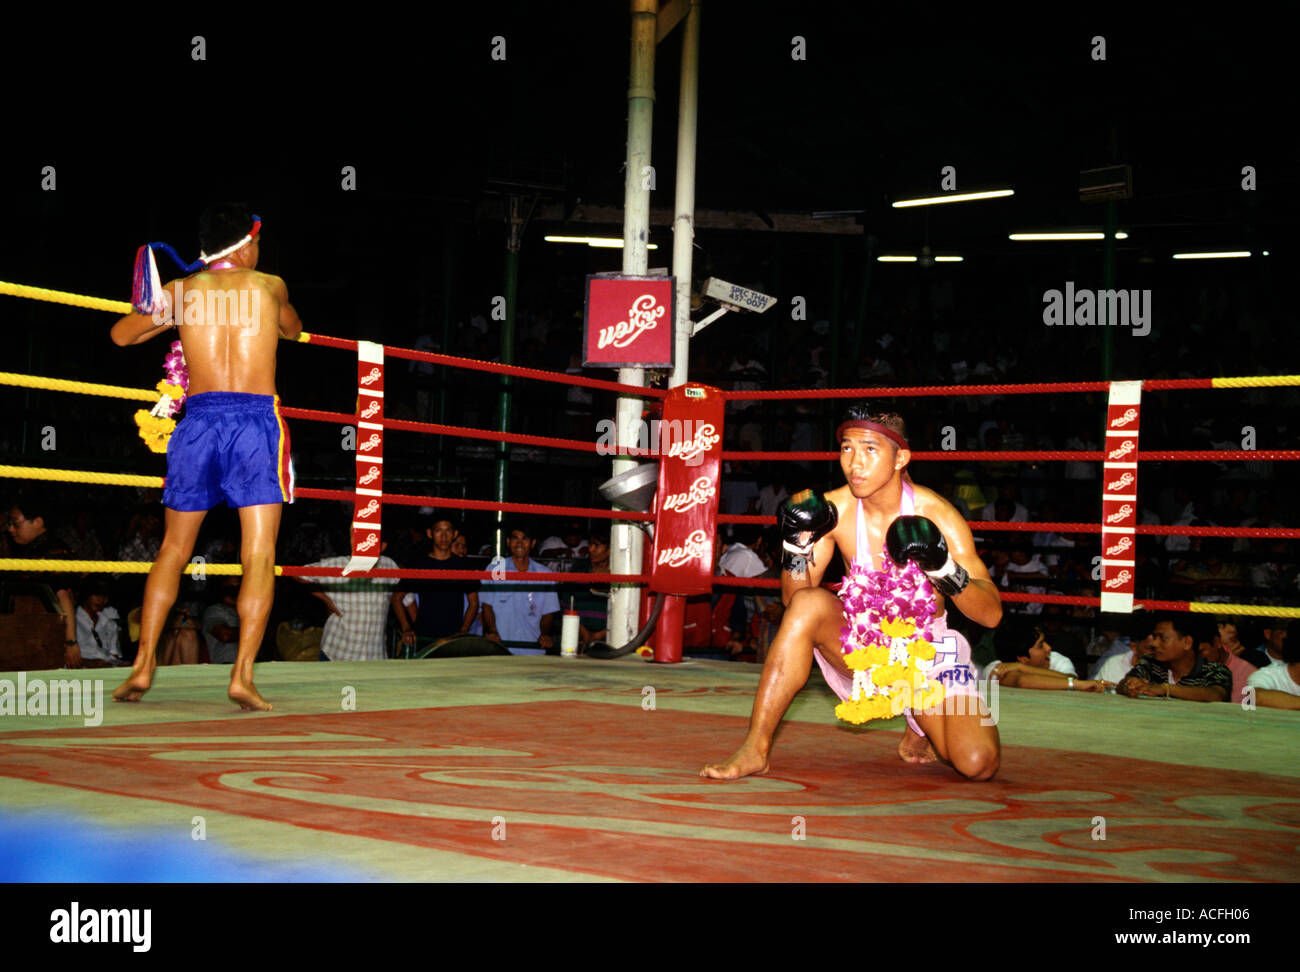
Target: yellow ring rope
column 1260, row 382
column 78, row 476
column 78, row 387
column 62, row 297
column 115, row 567
column 1261, row 610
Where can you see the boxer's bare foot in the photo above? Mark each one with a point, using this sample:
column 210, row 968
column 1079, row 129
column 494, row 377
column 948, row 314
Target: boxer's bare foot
column 136, row 684
column 916, row 748
column 248, row 698
column 747, row 761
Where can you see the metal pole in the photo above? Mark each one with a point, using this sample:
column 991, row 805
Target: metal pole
column 1107, row 283
column 449, row 252
column 514, row 233
column 684, row 218
column 627, row 541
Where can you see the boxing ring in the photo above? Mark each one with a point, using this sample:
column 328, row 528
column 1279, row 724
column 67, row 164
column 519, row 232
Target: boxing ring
column 577, row 769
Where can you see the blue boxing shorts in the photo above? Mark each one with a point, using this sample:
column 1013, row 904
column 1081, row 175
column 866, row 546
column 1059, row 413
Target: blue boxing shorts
column 230, row 446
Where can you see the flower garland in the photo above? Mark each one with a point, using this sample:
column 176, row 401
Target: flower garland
column 887, row 641
column 157, row 424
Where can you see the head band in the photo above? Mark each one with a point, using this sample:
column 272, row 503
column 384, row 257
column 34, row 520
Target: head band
column 866, row 426
column 257, row 228
column 146, row 292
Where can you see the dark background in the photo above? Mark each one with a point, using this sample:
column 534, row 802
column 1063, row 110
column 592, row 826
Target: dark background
column 143, row 137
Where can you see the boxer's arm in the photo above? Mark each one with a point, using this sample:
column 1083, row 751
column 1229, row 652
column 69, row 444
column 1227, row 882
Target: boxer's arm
column 289, row 323
column 979, row 601
column 811, row 573
column 136, row 328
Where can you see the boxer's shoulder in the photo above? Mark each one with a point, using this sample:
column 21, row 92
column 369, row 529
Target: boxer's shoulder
column 843, row 501
column 932, row 506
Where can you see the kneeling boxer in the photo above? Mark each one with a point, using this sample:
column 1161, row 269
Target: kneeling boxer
column 878, row 508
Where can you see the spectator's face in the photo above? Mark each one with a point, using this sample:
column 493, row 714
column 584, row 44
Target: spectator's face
column 1212, row 651
column 460, row 546
column 1040, row 653
column 1170, row 646
column 1228, row 638
column 598, row 550
column 442, row 534
column 23, row 530
column 1274, row 638
column 97, row 602
column 519, row 544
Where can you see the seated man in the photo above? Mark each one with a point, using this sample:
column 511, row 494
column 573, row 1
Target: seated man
column 1116, row 665
column 98, row 628
column 1278, row 686
column 221, row 624
column 1271, row 651
column 516, row 611
column 446, row 608
column 591, row 601
column 1226, row 649
column 1175, row 670
column 1026, row 660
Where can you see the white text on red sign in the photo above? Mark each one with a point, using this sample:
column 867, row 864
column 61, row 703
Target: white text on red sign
column 642, row 316
column 701, row 491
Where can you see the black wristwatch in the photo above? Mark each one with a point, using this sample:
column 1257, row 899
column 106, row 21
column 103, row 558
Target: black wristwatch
column 69, row 643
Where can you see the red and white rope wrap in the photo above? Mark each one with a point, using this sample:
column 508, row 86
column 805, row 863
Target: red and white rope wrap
column 368, row 509
column 1119, row 504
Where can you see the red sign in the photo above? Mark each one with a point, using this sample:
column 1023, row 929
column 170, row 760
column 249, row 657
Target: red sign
column 690, row 459
column 629, row 321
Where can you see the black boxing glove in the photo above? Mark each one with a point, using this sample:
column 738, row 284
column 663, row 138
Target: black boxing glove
column 803, row 519
column 917, row 539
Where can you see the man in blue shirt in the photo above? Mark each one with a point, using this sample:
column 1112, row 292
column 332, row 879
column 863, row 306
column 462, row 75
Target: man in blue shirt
column 518, row 611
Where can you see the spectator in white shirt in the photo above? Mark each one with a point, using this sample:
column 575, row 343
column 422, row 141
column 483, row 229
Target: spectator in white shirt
column 98, row 629
column 1026, row 660
column 1278, row 686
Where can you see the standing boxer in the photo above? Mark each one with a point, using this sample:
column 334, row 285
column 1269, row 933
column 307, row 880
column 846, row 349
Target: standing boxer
column 232, row 444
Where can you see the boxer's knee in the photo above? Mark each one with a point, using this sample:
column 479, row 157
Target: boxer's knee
column 977, row 762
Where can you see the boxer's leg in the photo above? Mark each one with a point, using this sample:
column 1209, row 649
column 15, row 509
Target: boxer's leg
column 811, row 623
column 966, row 739
column 258, row 527
column 181, row 530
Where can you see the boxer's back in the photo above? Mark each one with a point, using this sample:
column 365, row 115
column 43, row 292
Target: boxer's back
column 229, row 325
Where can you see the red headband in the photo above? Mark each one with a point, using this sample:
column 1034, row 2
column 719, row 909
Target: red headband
column 867, row 426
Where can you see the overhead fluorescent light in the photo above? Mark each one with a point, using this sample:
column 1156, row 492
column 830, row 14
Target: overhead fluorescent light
column 955, row 197
column 605, row 241
column 1051, row 237
column 1212, row 256
column 895, row 259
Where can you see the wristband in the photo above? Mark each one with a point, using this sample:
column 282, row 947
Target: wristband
column 951, row 579
column 69, row 643
column 1070, row 683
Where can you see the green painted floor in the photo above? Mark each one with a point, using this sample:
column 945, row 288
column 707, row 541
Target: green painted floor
column 615, row 739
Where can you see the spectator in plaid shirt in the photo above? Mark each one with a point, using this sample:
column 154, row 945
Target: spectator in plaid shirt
column 358, row 606
column 1175, row 670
